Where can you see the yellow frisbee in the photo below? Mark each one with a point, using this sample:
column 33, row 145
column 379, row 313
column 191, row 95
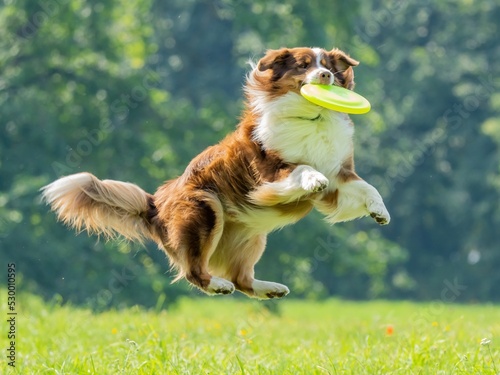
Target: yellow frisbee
column 336, row 98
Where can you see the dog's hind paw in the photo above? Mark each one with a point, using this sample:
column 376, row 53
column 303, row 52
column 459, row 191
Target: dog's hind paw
column 220, row 286
column 269, row 290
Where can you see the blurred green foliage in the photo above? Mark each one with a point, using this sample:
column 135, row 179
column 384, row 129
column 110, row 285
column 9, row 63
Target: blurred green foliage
column 132, row 90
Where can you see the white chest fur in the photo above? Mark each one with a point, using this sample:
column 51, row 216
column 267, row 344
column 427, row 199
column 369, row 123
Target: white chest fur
column 305, row 133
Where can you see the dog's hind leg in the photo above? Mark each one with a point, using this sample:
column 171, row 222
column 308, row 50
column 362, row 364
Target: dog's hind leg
column 209, row 284
column 193, row 238
column 242, row 272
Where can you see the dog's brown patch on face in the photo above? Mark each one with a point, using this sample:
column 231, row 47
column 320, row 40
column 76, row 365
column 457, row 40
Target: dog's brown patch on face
column 284, row 70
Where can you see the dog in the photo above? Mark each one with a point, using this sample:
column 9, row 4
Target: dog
column 286, row 157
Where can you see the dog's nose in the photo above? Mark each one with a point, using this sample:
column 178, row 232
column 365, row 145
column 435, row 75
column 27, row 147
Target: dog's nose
column 325, row 78
column 320, row 76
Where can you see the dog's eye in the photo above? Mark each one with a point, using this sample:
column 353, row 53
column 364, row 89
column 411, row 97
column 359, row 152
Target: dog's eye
column 303, row 65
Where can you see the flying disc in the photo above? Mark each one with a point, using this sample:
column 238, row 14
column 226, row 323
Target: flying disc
column 335, row 98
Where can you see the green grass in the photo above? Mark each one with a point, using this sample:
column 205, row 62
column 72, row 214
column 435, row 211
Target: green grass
column 222, row 335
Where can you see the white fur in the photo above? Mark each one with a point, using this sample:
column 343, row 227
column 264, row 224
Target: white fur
column 310, row 180
column 62, row 186
column 355, row 199
column 286, row 126
column 264, row 220
column 319, row 53
column 302, row 180
column 220, row 286
column 267, row 289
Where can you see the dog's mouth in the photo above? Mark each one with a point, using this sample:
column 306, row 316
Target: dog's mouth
column 334, row 83
column 317, row 118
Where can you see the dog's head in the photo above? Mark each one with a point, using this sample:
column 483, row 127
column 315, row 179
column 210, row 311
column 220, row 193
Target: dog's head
column 287, row 69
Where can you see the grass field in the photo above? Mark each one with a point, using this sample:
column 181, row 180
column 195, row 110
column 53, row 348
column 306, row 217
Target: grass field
column 223, row 335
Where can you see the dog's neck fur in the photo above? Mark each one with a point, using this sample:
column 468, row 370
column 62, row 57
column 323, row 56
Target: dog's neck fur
column 300, row 131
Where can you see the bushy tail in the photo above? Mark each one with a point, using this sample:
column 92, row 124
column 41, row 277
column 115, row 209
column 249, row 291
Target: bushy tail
column 105, row 207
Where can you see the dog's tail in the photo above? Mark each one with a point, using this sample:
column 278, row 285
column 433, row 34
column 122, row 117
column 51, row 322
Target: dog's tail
column 106, row 207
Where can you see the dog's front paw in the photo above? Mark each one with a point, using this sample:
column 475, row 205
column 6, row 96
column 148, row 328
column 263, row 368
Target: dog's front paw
column 379, row 212
column 313, row 181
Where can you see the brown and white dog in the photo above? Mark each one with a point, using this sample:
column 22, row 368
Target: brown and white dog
column 286, row 157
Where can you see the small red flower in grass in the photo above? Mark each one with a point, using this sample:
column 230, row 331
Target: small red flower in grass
column 389, row 330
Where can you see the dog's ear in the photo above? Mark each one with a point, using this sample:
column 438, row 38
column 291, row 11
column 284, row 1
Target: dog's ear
column 343, row 64
column 274, row 58
column 340, row 60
